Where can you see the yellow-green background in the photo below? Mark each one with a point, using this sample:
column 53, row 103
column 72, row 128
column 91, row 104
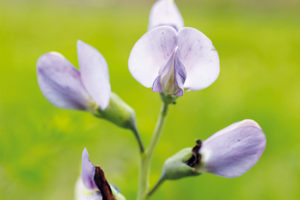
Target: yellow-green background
column 40, row 145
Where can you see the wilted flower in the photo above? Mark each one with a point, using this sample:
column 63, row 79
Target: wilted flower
column 165, row 12
column 170, row 61
column 88, row 89
column 230, row 153
column 92, row 185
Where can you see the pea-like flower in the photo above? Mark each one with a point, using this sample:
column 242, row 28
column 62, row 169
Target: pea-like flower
column 66, row 87
column 92, row 183
column 88, row 89
column 171, row 61
column 230, row 153
column 165, row 12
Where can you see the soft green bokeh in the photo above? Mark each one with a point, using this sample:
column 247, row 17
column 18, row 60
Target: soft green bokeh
column 41, row 145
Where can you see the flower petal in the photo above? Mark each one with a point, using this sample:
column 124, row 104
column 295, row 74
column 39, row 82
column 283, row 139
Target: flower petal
column 165, row 12
column 171, row 77
column 61, row 83
column 87, row 171
column 234, row 150
column 199, row 57
column 82, row 193
column 94, row 73
column 150, row 53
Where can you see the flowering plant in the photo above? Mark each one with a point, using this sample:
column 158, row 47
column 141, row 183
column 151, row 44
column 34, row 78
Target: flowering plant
column 171, row 59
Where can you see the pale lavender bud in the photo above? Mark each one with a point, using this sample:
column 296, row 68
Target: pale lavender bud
column 165, row 12
column 170, row 61
column 230, row 153
column 234, row 150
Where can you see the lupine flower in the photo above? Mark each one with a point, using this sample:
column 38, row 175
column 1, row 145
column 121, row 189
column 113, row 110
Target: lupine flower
column 88, row 89
column 92, row 185
column 165, row 12
column 171, row 61
column 230, row 153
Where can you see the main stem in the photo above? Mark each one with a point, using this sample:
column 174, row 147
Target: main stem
column 147, row 156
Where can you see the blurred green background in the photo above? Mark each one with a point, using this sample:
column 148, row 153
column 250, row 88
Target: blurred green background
column 40, row 145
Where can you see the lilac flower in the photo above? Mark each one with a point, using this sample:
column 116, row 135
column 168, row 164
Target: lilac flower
column 170, row 61
column 66, row 87
column 229, row 153
column 92, row 185
column 234, row 150
column 88, row 89
column 165, row 12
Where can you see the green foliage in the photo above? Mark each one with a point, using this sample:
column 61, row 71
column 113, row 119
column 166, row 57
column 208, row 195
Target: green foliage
column 41, row 145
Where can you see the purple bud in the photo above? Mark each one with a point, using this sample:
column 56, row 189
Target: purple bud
column 234, row 150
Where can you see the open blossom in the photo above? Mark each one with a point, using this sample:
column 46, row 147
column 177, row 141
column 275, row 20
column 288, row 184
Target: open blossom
column 85, row 89
column 66, row 87
column 230, row 153
column 165, row 12
column 171, row 61
column 92, row 184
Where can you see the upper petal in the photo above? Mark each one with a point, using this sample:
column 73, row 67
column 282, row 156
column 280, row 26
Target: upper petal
column 87, row 171
column 234, row 150
column 61, row 83
column 150, row 53
column 165, row 12
column 199, row 57
column 94, row 73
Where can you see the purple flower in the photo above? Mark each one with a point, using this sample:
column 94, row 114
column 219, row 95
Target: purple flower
column 165, row 12
column 230, row 153
column 234, row 150
column 66, row 87
column 171, row 61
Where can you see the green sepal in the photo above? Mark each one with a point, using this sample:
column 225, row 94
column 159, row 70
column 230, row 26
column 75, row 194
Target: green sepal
column 118, row 112
column 175, row 167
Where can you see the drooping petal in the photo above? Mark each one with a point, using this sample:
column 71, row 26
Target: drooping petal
column 171, row 77
column 200, row 58
column 150, row 53
column 61, row 83
column 87, row 171
column 165, row 12
column 234, row 150
column 94, row 73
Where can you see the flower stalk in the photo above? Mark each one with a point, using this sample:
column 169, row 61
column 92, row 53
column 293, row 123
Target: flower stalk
column 147, row 156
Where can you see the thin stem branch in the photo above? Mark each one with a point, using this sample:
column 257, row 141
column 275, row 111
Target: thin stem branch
column 147, row 156
column 139, row 140
column 157, row 185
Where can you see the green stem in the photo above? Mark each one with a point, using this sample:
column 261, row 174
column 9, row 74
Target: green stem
column 147, row 156
column 139, row 140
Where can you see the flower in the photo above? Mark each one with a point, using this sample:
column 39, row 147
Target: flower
column 234, row 150
column 230, row 153
column 171, row 61
column 88, row 89
column 92, row 185
column 165, row 12
column 66, row 87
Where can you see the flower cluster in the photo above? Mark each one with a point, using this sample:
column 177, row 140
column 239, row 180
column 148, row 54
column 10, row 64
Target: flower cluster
column 171, row 59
